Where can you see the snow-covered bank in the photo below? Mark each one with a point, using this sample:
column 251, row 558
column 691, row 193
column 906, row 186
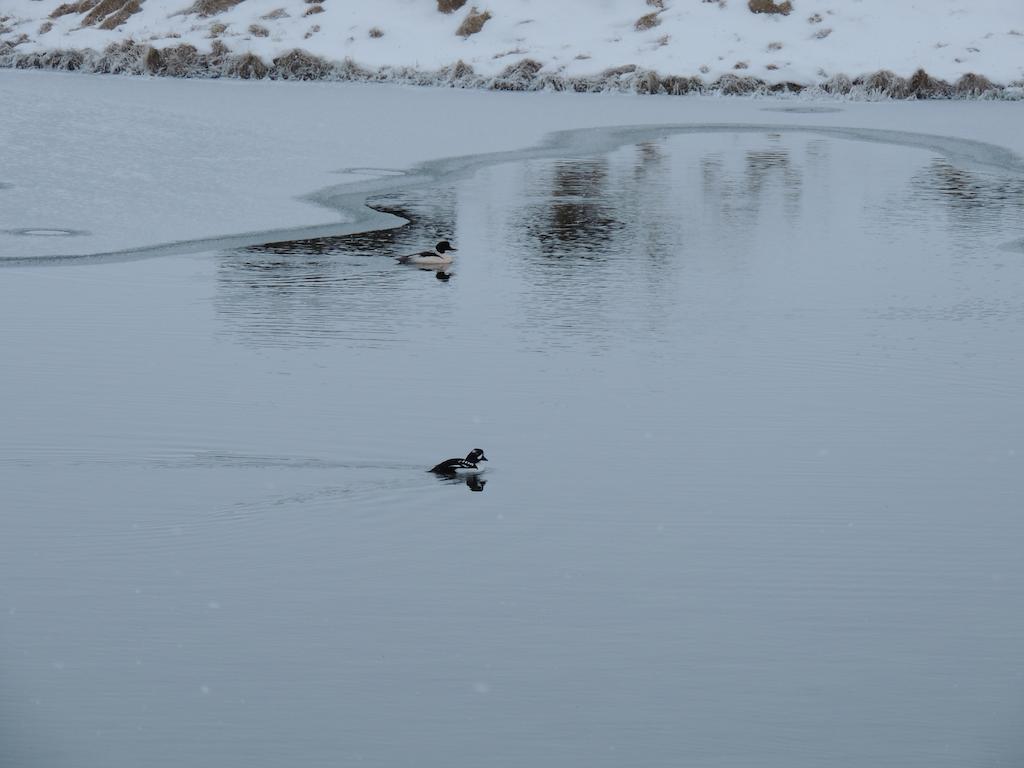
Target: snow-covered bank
column 938, row 49
column 132, row 163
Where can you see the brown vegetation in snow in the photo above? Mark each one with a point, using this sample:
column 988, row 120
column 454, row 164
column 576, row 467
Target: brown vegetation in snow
column 647, row 21
column 473, row 22
column 206, row 8
column 449, row 6
column 769, row 6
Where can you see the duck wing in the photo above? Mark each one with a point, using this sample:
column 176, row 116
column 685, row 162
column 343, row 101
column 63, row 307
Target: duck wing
column 450, row 465
column 409, row 257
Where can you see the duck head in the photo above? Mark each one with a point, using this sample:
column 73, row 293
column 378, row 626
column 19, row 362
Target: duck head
column 476, row 456
column 444, row 246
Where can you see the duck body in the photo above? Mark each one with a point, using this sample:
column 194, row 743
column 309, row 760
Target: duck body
column 452, row 466
column 439, row 257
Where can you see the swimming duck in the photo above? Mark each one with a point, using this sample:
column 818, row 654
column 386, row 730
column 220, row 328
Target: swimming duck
column 437, row 257
column 451, row 466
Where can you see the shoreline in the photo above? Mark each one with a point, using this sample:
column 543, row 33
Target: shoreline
column 186, row 61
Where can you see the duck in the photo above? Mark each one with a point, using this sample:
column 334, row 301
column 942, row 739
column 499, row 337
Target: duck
column 435, row 258
column 451, row 466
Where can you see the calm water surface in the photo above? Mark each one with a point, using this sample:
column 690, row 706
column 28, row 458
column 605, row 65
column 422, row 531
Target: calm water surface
column 754, row 411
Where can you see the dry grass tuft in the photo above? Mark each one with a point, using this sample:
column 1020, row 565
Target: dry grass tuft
column 217, row 28
column 647, row 21
column 924, row 86
column 101, row 10
column 177, row 61
column 80, row 7
column 738, row 85
column 313, row 9
column 677, row 86
column 647, row 82
column 473, row 22
column 311, row 31
column 774, row 46
column 838, row 84
column 299, row 65
column 461, row 70
column 769, row 6
column 211, row 7
column 771, row 67
column 120, row 15
column 664, row 40
column 625, row 69
column 277, row 13
column 257, row 30
column 449, row 6
column 45, row 27
column 815, row 18
column 886, row 83
column 376, row 32
column 822, row 33
column 971, row 84
column 517, row 77
column 180, row 60
column 741, row 65
column 659, row 4
column 247, row 66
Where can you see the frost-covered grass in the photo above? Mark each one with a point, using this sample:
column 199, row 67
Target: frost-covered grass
column 869, row 48
column 186, row 60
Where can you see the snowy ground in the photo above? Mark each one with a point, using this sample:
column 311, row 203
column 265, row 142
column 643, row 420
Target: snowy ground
column 130, row 163
column 818, row 41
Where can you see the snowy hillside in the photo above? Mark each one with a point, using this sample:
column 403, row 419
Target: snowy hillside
column 963, row 46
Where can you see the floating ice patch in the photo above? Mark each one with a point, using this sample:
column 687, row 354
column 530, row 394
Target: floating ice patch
column 374, row 171
column 45, row 232
column 806, row 110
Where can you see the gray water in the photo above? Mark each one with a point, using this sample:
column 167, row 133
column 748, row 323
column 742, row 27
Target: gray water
column 752, row 403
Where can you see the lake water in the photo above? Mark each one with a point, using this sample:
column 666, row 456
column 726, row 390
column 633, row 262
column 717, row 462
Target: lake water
column 753, row 408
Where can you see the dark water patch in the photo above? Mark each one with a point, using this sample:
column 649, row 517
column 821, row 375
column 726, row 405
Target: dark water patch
column 977, row 202
column 573, row 210
column 344, row 286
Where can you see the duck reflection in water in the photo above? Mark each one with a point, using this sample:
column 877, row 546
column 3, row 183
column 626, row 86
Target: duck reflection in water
column 475, row 483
